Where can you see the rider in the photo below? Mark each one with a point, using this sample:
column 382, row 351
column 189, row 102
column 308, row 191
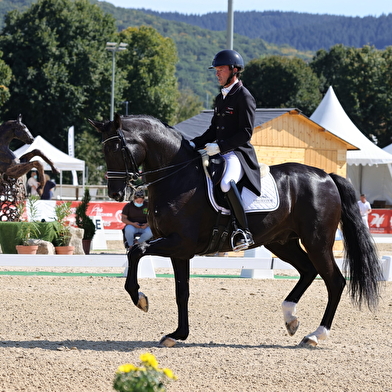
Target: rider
column 229, row 135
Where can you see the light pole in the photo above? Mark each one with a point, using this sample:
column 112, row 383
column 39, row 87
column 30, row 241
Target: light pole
column 114, row 47
column 126, row 107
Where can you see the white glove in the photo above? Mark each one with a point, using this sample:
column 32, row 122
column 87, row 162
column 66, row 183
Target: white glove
column 192, row 144
column 212, row 149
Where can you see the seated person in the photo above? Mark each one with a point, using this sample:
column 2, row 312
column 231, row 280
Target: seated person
column 134, row 215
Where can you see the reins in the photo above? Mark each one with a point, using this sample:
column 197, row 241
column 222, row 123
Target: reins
column 135, row 175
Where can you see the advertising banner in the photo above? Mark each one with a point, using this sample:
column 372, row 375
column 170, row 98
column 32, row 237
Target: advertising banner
column 380, row 221
column 109, row 212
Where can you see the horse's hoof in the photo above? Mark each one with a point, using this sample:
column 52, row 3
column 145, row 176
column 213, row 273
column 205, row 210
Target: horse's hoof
column 166, row 341
column 143, row 302
column 292, row 326
column 309, row 341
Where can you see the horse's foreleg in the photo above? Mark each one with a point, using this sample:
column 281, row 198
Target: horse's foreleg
column 181, row 276
column 131, row 283
column 38, row 153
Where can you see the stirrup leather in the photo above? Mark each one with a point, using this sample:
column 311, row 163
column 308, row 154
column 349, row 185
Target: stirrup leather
column 241, row 240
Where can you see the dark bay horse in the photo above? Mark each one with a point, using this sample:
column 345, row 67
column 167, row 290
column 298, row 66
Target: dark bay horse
column 312, row 203
column 10, row 165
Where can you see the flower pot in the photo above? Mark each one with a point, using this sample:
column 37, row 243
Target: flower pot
column 64, row 250
column 86, row 246
column 26, row 249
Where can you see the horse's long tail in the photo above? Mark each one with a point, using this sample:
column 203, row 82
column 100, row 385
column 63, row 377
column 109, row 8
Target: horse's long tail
column 360, row 251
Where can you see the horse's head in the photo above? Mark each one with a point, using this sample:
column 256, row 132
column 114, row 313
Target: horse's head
column 120, row 160
column 15, row 129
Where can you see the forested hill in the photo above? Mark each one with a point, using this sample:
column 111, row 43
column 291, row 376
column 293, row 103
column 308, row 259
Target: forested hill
column 302, row 31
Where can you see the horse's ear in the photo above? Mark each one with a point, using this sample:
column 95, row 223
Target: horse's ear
column 19, row 118
column 117, row 120
column 98, row 125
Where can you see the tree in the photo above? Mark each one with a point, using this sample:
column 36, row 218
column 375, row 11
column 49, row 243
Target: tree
column 278, row 82
column 189, row 105
column 149, row 64
column 5, row 79
column 362, row 80
column 61, row 71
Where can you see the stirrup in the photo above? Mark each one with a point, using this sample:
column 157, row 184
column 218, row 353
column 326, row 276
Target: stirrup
column 241, row 240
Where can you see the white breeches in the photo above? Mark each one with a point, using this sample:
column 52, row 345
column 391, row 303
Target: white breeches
column 234, row 171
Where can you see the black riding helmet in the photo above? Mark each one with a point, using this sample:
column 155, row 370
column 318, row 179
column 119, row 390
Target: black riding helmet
column 231, row 58
column 228, row 57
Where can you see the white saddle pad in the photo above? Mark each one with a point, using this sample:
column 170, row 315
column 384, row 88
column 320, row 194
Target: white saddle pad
column 266, row 202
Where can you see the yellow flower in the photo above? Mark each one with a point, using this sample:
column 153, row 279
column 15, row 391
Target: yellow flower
column 168, row 373
column 150, row 360
column 128, row 367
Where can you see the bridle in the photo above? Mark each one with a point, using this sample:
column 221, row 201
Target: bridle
column 130, row 176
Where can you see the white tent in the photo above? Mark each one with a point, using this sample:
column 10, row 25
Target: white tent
column 370, row 168
column 62, row 161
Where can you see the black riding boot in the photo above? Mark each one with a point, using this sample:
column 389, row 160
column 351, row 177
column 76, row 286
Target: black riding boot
column 241, row 238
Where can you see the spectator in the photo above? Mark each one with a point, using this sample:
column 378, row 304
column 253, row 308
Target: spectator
column 365, row 209
column 33, row 184
column 47, row 193
column 134, row 215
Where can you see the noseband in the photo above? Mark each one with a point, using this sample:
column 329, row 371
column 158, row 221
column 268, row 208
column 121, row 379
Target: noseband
column 129, row 176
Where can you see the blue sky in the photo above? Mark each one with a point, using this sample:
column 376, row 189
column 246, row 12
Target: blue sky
column 333, row 7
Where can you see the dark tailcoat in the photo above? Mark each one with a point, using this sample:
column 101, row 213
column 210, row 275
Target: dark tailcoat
column 232, row 128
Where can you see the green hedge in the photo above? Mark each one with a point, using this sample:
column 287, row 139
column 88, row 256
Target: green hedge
column 9, row 234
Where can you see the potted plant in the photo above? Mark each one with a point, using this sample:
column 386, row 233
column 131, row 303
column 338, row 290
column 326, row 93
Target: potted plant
column 62, row 228
column 83, row 221
column 28, row 230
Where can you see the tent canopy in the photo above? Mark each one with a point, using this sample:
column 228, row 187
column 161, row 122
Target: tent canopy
column 62, row 161
column 370, row 168
column 331, row 116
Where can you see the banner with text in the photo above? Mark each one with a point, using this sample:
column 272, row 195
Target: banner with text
column 109, row 212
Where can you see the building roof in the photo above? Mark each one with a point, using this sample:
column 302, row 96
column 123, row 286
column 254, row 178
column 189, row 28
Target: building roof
column 196, row 125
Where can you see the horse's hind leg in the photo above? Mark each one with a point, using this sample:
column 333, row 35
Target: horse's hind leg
column 335, row 283
column 292, row 253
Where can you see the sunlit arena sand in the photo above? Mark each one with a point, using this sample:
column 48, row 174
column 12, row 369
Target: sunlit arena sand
column 70, row 333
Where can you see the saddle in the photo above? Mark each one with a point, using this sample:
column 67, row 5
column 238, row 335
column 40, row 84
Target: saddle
column 214, row 167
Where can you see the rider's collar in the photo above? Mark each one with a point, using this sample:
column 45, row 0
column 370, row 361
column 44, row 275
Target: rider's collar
column 226, row 90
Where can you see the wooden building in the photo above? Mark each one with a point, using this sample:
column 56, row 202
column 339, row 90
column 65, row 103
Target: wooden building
column 285, row 135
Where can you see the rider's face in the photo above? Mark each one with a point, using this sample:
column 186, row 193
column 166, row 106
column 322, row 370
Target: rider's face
column 222, row 72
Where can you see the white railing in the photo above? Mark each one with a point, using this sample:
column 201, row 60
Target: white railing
column 75, row 192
